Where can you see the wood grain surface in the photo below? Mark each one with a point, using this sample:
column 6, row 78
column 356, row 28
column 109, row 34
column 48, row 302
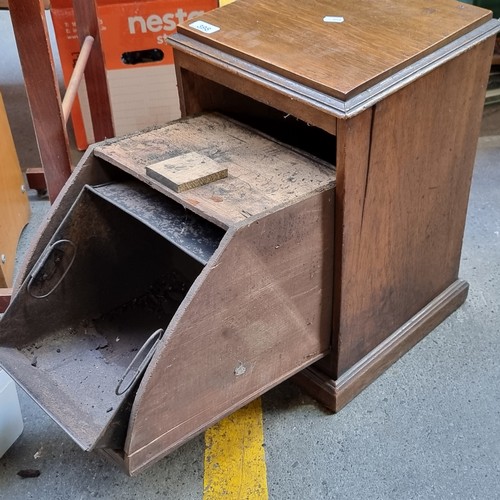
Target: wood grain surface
column 376, row 39
column 403, row 177
column 336, row 393
column 275, row 311
column 186, row 171
column 42, row 88
column 14, row 205
column 262, row 173
column 259, row 312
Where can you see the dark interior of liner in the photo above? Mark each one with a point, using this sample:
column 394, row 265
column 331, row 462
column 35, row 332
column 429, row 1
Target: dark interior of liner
column 264, row 118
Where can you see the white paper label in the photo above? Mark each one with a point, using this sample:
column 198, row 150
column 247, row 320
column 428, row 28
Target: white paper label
column 205, row 27
column 333, row 19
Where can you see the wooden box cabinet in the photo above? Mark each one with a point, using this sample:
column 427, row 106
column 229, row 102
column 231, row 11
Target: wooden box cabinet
column 391, row 93
column 332, row 246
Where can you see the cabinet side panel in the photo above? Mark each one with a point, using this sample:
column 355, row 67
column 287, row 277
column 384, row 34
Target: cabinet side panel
column 14, row 205
column 403, row 216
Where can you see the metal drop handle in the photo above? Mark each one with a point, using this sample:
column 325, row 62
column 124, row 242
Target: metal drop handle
column 42, row 261
column 153, row 339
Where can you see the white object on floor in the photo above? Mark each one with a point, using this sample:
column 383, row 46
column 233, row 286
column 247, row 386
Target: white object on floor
column 11, row 420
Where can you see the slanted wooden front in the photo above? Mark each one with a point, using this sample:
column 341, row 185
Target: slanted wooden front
column 261, row 309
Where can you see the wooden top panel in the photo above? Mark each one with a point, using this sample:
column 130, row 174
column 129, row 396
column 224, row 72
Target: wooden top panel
column 262, row 174
column 376, row 38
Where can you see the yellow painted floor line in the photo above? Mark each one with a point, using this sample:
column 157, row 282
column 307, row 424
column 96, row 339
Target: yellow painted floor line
column 235, row 462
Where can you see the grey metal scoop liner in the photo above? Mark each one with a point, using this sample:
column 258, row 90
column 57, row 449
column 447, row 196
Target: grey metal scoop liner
column 88, row 317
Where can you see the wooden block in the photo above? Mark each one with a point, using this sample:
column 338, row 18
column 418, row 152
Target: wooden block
column 186, row 171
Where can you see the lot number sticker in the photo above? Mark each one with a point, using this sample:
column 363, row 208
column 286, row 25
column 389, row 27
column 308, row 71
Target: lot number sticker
column 205, row 27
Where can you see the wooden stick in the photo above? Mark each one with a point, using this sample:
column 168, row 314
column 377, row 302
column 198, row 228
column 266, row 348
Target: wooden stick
column 95, row 72
column 76, row 77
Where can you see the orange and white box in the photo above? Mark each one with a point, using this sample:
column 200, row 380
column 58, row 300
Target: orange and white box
column 138, row 60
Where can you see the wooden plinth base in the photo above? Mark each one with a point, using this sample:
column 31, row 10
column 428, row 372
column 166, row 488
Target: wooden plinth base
column 335, row 394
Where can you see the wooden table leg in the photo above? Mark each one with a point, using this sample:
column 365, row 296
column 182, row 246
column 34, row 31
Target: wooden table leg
column 30, row 29
column 95, row 73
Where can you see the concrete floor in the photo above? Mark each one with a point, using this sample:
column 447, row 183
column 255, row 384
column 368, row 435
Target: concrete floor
column 428, row 428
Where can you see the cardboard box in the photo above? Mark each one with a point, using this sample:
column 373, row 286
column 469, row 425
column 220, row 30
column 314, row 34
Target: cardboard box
column 138, row 60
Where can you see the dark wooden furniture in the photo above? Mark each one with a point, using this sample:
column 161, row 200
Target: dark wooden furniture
column 330, row 249
column 399, row 87
column 42, row 88
column 14, row 207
